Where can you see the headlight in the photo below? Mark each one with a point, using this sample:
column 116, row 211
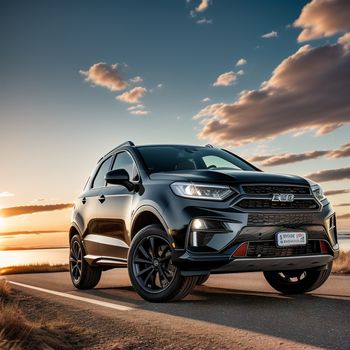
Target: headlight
column 318, row 192
column 201, row 191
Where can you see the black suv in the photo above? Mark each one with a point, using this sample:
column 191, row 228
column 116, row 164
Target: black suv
column 174, row 214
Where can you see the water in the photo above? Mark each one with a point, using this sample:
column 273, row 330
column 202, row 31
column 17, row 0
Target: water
column 33, row 256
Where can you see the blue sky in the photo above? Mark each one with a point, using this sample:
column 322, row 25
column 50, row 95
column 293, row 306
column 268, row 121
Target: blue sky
column 56, row 124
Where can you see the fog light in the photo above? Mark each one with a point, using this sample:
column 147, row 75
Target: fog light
column 198, row 224
column 208, row 235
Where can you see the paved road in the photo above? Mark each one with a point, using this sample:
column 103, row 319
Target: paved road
column 239, row 308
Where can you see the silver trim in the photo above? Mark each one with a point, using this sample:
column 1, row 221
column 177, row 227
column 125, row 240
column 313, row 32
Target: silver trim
column 275, row 264
column 105, row 240
column 104, row 260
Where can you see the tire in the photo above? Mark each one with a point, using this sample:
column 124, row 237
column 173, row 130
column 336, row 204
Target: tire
column 150, row 267
column 82, row 274
column 202, row 279
column 298, row 282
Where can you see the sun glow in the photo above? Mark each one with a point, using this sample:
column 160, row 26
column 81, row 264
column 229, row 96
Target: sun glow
column 2, row 222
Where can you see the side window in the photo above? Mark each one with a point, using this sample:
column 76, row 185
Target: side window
column 99, row 180
column 123, row 160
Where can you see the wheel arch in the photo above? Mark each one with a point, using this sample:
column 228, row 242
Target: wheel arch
column 145, row 216
column 73, row 230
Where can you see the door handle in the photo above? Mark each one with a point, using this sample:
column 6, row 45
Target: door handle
column 83, row 200
column 102, row 198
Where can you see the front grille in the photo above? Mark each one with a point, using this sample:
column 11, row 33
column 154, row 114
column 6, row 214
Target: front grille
column 250, row 203
column 280, row 219
column 271, row 189
column 268, row 249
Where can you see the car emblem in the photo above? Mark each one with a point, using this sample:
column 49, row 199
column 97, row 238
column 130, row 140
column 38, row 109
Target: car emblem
column 282, row 197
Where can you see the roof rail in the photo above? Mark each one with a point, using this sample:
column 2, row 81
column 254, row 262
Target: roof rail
column 126, row 143
column 209, row 146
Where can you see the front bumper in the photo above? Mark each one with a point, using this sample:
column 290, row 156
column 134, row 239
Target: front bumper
column 262, row 253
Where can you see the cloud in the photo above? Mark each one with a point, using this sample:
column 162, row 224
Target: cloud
column 344, row 216
column 204, row 21
column 136, row 80
column 344, row 151
column 287, row 158
column 6, row 194
column 241, row 62
column 334, row 192
column 323, row 18
column 206, row 99
column 309, row 90
column 342, row 205
column 226, row 79
column 270, row 35
column 160, row 85
column 204, row 4
column 107, row 76
column 330, row 175
column 137, row 110
column 31, row 209
column 132, row 96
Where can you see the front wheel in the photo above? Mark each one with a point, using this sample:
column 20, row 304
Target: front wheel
column 298, row 281
column 152, row 273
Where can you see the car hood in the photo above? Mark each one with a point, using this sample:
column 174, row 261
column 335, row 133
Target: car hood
column 228, row 177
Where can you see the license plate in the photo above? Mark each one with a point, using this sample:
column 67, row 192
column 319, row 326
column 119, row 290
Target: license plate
column 287, row 239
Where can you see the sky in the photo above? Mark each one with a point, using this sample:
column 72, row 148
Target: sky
column 269, row 80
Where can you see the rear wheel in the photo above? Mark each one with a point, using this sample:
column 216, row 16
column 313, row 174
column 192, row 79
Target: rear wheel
column 298, row 281
column 151, row 271
column 83, row 276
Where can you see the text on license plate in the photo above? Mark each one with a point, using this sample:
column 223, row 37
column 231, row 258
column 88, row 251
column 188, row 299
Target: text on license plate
column 286, row 239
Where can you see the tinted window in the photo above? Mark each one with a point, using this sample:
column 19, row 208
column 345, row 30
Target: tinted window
column 99, row 180
column 125, row 161
column 172, row 158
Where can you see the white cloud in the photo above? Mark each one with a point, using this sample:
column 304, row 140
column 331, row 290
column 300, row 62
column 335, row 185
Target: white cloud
column 136, row 80
column 323, row 18
column 159, row 86
column 104, row 75
column 204, row 21
column 132, row 96
column 225, row 79
column 139, row 112
column 241, row 62
column 204, row 4
column 206, row 99
column 308, row 90
column 272, row 34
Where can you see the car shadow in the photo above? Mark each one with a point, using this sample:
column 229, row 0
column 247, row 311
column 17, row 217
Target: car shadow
column 314, row 319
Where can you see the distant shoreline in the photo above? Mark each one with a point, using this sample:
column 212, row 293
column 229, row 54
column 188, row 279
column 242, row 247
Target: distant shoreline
column 34, row 248
column 15, row 233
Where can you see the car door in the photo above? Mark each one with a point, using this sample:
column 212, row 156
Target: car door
column 116, row 201
column 93, row 212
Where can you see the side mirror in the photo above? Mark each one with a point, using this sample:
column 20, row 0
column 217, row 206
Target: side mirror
column 119, row 177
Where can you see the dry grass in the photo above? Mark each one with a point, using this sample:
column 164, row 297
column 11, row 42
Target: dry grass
column 5, row 290
column 342, row 264
column 19, row 333
column 34, row 268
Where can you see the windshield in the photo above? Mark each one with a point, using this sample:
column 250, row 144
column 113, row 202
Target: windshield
column 173, row 158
